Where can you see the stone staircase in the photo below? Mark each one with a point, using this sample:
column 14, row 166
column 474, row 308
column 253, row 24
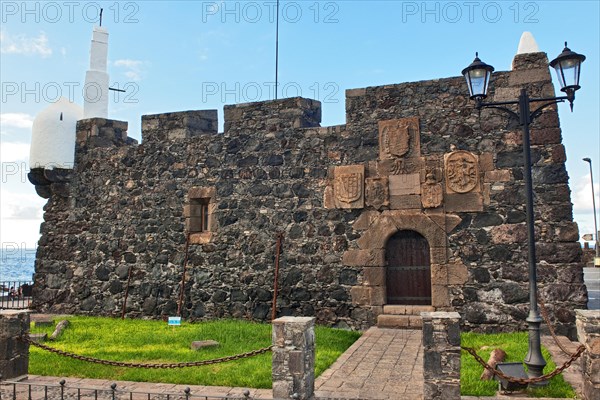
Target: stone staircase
column 402, row 317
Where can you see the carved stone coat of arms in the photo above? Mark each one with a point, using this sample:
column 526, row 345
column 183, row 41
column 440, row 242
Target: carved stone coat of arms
column 462, row 171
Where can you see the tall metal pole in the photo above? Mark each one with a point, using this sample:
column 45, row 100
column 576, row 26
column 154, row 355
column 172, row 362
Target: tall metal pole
column 597, row 259
column 534, row 359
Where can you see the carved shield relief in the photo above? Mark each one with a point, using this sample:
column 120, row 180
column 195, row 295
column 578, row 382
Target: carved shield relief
column 348, row 186
column 462, row 171
column 397, row 137
column 377, row 194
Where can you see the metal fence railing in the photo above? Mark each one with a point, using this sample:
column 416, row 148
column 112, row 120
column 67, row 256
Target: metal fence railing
column 23, row 390
column 15, row 295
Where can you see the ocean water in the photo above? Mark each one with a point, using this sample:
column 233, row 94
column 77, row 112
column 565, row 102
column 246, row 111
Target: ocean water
column 16, row 264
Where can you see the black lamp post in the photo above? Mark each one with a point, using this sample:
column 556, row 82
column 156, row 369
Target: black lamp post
column 567, row 66
column 597, row 258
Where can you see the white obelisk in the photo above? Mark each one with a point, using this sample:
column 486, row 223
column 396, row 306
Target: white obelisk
column 95, row 91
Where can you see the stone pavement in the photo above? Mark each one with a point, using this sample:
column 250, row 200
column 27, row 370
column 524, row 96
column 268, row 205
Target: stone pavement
column 383, row 364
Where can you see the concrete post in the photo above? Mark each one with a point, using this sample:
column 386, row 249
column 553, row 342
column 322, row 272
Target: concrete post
column 293, row 358
column 441, row 355
column 588, row 334
column 14, row 354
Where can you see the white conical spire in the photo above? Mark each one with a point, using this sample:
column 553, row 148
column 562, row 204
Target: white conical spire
column 527, row 44
column 95, row 93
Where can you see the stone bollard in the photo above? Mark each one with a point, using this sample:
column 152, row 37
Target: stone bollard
column 14, row 354
column 441, row 355
column 293, row 358
column 588, row 334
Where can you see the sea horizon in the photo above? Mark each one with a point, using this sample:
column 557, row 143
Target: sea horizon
column 16, row 264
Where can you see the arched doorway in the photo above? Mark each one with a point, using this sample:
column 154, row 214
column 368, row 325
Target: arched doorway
column 408, row 271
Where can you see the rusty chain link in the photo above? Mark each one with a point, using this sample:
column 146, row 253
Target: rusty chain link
column 525, row 381
column 145, row 365
column 546, row 318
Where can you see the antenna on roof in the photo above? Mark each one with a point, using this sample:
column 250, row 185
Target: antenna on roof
column 101, row 16
column 277, row 50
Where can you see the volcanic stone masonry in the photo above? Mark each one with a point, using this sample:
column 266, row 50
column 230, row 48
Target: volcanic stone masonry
column 415, row 161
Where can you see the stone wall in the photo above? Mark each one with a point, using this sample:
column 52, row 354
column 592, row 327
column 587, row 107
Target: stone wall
column 336, row 193
column 14, row 354
column 588, row 334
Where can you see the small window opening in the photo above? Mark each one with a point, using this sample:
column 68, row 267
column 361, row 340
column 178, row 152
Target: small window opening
column 199, row 216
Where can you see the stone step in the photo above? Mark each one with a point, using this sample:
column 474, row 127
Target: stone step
column 399, row 321
column 406, row 310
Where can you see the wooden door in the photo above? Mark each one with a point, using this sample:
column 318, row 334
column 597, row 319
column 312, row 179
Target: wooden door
column 408, row 271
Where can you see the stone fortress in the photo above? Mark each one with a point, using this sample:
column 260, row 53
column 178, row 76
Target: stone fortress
column 416, row 203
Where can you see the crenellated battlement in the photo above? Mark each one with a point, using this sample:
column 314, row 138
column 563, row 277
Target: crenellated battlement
column 178, row 125
column 273, row 115
column 102, row 132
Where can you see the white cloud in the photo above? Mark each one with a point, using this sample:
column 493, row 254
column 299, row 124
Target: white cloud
column 14, row 152
column 16, row 120
column 134, row 68
column 21, row 44
column 21, row 215
column 21, row 205
column 582, row 195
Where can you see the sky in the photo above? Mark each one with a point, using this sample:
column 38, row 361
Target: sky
column 194, row 55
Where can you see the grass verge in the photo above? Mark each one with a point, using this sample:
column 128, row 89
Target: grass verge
column 515, row 345
column 156, row 342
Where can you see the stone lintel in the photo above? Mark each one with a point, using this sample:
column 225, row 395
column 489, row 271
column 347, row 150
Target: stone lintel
column 202, row 193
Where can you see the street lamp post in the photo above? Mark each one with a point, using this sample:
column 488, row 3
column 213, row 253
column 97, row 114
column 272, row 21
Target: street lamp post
column 478, row 74
column 597, row 258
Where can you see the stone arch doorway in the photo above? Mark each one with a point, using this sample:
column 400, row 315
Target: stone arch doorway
column 408, row 269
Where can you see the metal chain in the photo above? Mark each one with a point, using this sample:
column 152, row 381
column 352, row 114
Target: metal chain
column 524, row 381
column 145, row 365
column 544, row 313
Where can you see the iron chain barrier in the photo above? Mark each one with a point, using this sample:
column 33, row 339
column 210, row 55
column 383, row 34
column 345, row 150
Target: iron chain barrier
column 144, row 365
column 525, row 381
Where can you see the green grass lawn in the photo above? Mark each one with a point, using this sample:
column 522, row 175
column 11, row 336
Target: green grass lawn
column 515, row 346
column 156, row 342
